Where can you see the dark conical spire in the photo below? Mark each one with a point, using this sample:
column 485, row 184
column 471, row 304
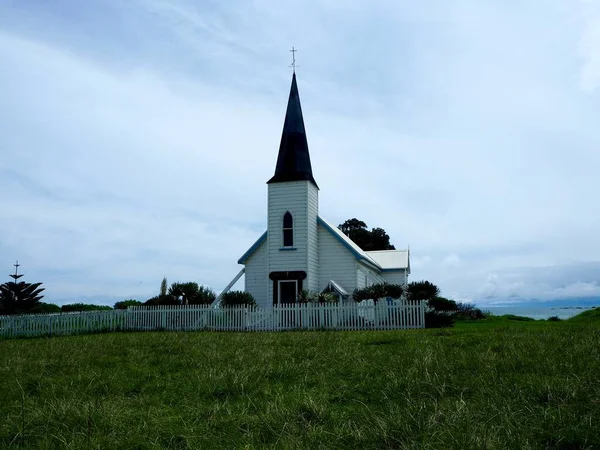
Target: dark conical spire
column 293, row 161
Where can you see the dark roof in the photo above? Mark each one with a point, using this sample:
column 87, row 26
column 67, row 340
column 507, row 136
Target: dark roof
column 293, row 161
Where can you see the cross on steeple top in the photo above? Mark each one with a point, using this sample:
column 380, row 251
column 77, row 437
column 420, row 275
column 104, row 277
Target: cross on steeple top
column 293, row 51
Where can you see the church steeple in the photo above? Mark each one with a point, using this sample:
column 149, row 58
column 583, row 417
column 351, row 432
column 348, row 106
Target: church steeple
column 293, row 161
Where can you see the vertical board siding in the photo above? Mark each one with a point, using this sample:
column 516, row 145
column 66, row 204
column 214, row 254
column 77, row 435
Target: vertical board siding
column 307, row 316
column 373, row 277
column 292, row 197
column 335, row 262
column 256, row 277
column 289, row 196
column 313, row 239
column 395, row 277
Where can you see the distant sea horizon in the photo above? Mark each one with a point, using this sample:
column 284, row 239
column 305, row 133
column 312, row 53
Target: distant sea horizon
column 563, row 309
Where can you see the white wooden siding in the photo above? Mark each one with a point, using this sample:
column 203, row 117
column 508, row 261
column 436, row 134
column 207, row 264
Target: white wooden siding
column 361, row 279
column 395, row 277
column 256, row 278
column 367, row 276
column 290, row 196
column 313, row 238
column 335, row 262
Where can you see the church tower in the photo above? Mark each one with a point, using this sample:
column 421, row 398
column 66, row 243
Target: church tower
column 293, row 205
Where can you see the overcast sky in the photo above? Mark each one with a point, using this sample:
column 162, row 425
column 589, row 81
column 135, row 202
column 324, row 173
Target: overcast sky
column 136, row 137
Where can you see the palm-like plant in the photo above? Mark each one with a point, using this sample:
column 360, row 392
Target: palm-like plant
column 18, row 297
column 325, row 297
column 304, row 296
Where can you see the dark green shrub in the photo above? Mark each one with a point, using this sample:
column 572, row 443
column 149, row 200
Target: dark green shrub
column 127, row 303
column 238, row 298
column 469, row 311
column 325, row 297
column 435, row 319
column 162, row 300
column 304, row 296
column 377, row 291
column 45, row 308
column 517, row 318
column 442, row 304
column 554, row 319
column 76, row 307
column 394, row 290
column 591, row 315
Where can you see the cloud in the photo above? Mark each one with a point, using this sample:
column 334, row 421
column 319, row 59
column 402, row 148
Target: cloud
column 137, row 138
column 589, row 47
column 451, row 261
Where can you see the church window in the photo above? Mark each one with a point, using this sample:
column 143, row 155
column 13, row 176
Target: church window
column 288, row 230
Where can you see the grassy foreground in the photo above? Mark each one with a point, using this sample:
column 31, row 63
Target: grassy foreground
column 491, row 385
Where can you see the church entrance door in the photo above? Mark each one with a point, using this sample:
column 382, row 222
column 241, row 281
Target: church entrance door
column 288, row 291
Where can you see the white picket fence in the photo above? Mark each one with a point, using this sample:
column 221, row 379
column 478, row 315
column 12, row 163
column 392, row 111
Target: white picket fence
column 62, row 323
column 342, row 316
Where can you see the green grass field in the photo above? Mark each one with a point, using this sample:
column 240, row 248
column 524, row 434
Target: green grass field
column 492, row 384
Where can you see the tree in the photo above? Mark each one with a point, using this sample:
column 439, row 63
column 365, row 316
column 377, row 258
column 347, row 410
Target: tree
column 79, row 307
column 45, row 308
column 183, row 292
column 19, row 297
column 422, row 290
column 189, row 293
column 380, row 240
column 237, row 298
column 352, row 225
column 204, row 296
column 163, row 286
column 127, row 303
column 376, row 239
column 162, row 300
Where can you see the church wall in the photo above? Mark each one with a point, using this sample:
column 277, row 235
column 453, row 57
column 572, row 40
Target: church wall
column 395, row 277
column 367, row 276
column 289, row 196
column 335, row 262
column 361, row 279
column 313, row 238
column 256, row 277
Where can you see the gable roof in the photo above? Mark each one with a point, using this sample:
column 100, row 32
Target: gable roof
column 293, row 160
column 253, row 248
column 332, row 285
column 390, row 259
column 358, row 252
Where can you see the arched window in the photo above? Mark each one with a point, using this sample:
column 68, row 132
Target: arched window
column 288, row 230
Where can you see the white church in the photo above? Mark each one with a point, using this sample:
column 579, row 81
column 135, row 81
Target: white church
column 300, row 249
